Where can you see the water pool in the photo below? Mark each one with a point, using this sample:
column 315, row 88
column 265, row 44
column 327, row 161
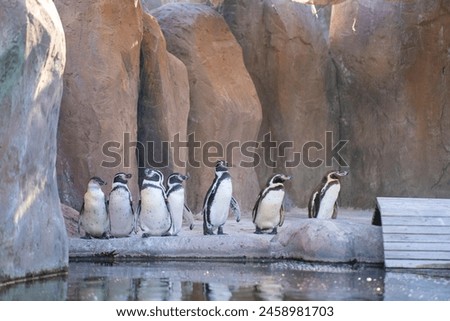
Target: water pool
column 207, row 280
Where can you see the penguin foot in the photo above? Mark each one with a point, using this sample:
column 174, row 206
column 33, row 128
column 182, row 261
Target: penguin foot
column 86, row 237
column 208, row 232
column 274, row 231
column 145, row 235
column 220, row 231
column 258, row 230
column 106, row 236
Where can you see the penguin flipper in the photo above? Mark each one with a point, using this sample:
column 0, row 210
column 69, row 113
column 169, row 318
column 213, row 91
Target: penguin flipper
column 79, row 219
column 235, row 209
column 136, row 217
column 188, row 216
column 255, row 208
column 282, row 215
column 313, row 205
column 335, row 210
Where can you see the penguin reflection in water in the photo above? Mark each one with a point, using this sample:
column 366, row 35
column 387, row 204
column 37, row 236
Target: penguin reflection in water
column 323, row 201
column 268, row 212
column 219, row 200
column 153, row 210
column 94, row 217
column 178, row 208
column 120, row 207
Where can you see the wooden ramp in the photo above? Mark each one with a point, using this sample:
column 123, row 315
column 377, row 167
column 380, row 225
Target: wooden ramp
column 416, row 232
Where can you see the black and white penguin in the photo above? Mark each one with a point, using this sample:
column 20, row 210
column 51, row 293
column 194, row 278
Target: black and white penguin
column 268, row 212
column 177, row 206
column 219, row 200
column 323, row 201
column 120, row 207
column 153, row 210
column 94, row 217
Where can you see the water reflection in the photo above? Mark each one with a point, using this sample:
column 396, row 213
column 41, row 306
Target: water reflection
column 273, row 281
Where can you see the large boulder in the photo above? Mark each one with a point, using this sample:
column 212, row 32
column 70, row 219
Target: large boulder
column 393, row 78
column 98, row 122
column 225, row 110
column 330, row 241
column 286, row 53
column 33, row 239
column 163, row 102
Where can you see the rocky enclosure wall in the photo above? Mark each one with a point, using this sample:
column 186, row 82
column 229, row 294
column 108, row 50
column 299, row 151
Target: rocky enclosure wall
column 32, row 59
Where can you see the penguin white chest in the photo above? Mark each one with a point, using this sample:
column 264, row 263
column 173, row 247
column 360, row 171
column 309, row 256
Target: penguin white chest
column 120, row 211
column 176, row 206
column 327, row 202
column 220, row 205
column 154, row 216
column 95, row 219
column 268, row 215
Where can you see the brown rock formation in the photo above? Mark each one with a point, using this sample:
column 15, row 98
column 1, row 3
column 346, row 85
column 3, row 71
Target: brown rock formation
column 32, row 59
column 286, row 54
column 393, row 66
column 99, row 104
column 224, row 103
column 71, row 217
column 163, row 102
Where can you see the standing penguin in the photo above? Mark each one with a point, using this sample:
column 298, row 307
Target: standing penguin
column 219, row 200
column 153, row 211
column 323, row 201
column 268, row 212
column 120, row 207
column 94, row 213
column 175, row 199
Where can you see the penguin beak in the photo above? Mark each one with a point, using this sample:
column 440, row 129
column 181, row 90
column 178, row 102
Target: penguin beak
column 128, row 176
column 342, row 173
column 185, row 177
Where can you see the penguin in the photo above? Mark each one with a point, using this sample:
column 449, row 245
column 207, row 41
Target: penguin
column 177, row 206
column 268, row 212
column 153, row 211
column 94, row 215
column 120, row 207
column 323, row 201
column 218, row 201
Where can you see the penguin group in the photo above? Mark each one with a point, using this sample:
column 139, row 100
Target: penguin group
column 162, row 208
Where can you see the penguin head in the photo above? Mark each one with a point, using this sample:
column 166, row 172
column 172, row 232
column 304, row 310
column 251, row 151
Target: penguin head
column 176, row 179
column 278, row 178
column 96, row 181
column 334, row 175
column 222, row 166
column 121, row 178
column 154, row 175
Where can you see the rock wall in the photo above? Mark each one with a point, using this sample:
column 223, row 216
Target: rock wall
column 286, row 54
column 101, row 85
column 32, row 59
column 224, row 105
column 163, row 103
column 393, row 67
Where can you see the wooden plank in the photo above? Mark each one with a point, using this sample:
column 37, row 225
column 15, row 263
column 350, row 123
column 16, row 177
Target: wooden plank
column 428, row 230
column 409, row 246
column 418, row 255
column 417, row 264
column 416, row 238
column 424, row 221
column 409, row 212
column 416, row 232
